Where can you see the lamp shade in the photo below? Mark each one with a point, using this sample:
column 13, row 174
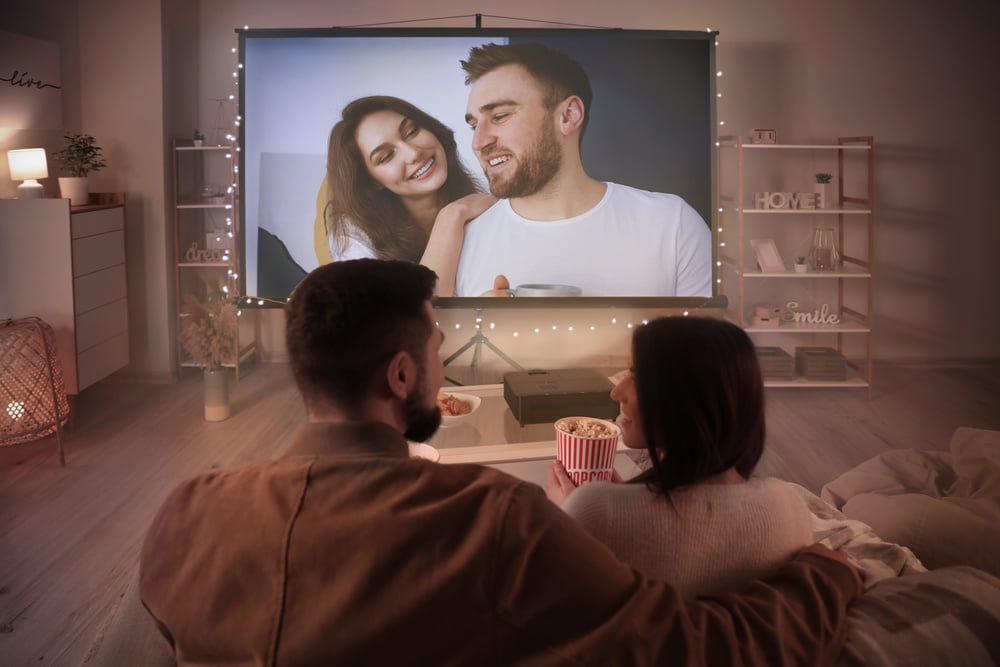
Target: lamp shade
column 27, row 163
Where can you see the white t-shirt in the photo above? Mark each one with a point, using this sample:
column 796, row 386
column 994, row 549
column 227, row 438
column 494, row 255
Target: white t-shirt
column 632, row 243
column 709, row 538
column 358, row 245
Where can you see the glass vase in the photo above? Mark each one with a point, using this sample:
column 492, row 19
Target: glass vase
column 823, row 254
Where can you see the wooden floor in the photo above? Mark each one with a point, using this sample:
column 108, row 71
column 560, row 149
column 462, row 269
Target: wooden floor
column 69, row 537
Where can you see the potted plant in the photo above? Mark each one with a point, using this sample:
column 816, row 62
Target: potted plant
column 800, row 264
column 823, row 190
column 80, row 156
column 199, row 138
column 208, row 335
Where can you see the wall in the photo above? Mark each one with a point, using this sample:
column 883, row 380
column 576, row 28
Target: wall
column 112, row 55
column 920, row 76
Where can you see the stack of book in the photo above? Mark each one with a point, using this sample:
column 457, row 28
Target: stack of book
column 820, row 363
column 775, row 363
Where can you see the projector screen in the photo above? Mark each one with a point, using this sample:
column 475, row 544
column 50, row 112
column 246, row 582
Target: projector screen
column 651, row 126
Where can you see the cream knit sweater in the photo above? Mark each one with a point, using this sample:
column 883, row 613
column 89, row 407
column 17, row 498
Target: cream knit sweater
column 708, row 538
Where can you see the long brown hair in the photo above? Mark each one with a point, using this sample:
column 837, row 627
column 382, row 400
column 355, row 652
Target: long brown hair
column 701, row 399
column 354, row 198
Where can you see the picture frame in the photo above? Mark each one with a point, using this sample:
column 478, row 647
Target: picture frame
column 764, row 135
column 768, row 258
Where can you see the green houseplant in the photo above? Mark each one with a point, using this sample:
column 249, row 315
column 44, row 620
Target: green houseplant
column 80, row 156
column 823, row 190
column 208, row 334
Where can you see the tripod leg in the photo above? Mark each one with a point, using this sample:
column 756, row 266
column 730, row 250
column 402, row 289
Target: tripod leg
column 457, row 353
column 500, row 353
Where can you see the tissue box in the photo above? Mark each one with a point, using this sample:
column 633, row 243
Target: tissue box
column 541, row 396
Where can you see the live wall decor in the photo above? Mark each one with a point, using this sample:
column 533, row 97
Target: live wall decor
column 30, row 83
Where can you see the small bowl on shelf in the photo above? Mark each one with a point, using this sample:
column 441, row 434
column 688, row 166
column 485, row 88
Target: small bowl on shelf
column 456, row 406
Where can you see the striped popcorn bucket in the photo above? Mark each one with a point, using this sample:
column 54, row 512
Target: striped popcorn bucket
column 587, row 457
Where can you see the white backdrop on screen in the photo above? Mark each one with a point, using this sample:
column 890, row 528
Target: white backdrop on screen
column 310, row 100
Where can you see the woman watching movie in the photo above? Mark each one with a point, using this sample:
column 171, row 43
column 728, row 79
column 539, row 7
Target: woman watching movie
column 393, row 175
column 694, row 400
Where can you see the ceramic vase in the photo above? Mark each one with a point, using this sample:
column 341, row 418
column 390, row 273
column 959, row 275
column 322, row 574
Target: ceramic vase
column 824, row 195
column 216, row 394
column 75, row 189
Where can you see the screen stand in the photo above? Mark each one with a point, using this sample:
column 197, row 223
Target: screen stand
column 476, row 342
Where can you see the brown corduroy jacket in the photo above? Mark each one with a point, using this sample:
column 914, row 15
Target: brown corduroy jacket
column 345, row 551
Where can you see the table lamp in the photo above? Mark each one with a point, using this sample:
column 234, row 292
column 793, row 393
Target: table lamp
column 28, row 164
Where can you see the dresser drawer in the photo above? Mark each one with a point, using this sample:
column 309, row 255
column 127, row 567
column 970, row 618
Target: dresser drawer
column 100, row 324
column 99, row 288
column 97, row 222
column 101, row 360
column 93, row 253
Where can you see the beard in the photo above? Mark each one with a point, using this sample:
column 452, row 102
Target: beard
column 536, row 167
column 421, row 421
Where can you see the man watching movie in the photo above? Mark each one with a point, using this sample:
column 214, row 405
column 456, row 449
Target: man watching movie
column 346, row 551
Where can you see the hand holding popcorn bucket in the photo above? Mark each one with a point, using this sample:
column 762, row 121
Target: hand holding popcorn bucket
column 586, row 448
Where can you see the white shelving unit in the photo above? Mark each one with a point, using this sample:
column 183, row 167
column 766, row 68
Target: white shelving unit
column 207, row 237
column 847, row 291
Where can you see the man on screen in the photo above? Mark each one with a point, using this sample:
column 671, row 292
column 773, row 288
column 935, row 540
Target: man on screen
column 528, row 108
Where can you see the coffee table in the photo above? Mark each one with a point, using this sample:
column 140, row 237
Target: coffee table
column 492, row 436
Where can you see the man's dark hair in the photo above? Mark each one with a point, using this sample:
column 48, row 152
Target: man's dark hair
column 701, row 399
column 346, row 319
column 558, row 75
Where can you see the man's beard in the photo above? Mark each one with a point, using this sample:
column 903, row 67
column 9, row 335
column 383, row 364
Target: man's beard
column 421, row 421
column 536, row 167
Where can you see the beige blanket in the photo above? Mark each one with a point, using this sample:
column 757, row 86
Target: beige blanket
column 944, row 505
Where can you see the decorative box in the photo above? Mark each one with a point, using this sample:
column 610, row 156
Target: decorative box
column 775, row 363
column 541, row 396
column 820, row 363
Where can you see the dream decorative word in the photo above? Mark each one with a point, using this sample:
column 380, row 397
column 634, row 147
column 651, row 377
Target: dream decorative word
column 788, row 200
column 821, row 315
column 196, row 254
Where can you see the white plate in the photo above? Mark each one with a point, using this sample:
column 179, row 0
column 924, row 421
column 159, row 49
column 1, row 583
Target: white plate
column 420, row 450
column 471, row 399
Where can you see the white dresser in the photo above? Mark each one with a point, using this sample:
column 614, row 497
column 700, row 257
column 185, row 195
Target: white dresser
column 66, row 265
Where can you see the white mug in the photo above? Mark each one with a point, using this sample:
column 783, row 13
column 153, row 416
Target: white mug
column 543, row 289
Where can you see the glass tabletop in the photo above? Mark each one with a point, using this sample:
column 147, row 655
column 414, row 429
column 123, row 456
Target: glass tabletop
column 492, row 434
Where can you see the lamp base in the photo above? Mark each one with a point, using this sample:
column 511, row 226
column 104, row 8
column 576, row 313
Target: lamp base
column 30, row 189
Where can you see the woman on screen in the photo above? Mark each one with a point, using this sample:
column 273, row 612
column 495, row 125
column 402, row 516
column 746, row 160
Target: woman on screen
column 393, row 172
column 694, row 400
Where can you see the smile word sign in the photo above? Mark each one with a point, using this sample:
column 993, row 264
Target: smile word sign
column 821, row 315
column 788, row 200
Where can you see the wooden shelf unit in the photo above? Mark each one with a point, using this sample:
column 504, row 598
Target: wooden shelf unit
column 204, row 203
column 748, row 168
